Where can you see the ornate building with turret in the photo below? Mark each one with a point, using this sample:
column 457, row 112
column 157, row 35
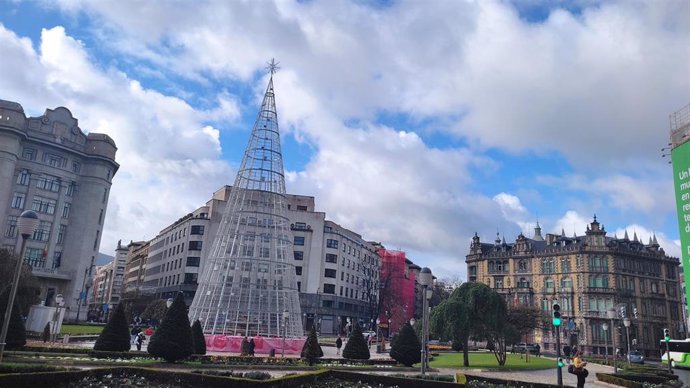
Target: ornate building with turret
column 593, row 277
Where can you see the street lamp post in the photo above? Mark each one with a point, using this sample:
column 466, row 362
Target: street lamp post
column 626, row 323
column 429, row 294
column 611, row 314
column 86, row 284
column 605, row 326
column 59, row 300
column 27, row 223
column 378, row 336
column 425, row 279
column 286, row 315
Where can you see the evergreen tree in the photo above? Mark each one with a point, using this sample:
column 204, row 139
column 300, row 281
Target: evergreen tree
column 173, row 339
column 406, row 348
column 45, row 336
column 198, row 337
column 115, row 334
column 311, row 349
column 16, row 333
column 356, row 347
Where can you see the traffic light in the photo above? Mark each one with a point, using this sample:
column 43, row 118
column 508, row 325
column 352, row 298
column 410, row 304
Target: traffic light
column 556, row 314
column 667, row 335
column 560, row 362
column 635, row 312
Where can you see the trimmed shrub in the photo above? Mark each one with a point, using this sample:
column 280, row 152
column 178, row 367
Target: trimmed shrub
column 45, row 336
column 115, row 334
column 198, row 338
column 173, row 339
column 406, row 347
column 356, row 347
column 16, row 333
column 311, row 349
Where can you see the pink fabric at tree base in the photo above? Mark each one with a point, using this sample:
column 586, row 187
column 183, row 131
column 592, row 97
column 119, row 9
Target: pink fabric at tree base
column 263, row 345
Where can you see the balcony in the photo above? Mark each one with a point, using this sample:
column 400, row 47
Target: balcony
column 51, row 273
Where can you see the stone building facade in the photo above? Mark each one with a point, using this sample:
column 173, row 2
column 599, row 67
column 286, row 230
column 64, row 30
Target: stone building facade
column 587, row 275
column 47, row 164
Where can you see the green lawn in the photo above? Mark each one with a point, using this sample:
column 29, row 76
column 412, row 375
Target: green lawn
column 488, row 360
column 81, row 329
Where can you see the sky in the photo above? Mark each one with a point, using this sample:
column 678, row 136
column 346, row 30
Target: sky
column 413, row 123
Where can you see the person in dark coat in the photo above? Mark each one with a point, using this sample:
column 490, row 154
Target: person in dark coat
column 338, row 344
column 251, row 347
column 140, row 340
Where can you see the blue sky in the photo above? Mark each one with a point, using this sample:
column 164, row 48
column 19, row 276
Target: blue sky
column 413, row 123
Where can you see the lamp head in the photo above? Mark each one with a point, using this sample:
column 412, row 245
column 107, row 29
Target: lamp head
column 626, row 322
column 59, row 299
column 425, row 277
column 27, row 223
column 169, row 302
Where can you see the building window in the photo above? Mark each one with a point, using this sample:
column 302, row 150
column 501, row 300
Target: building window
column 598, row 281
column 23, row 178
column 195, row 245
column 57, row 260
column 565, row 265
column 61, row 234
column 197, row 229
column 42, row 233
column 548, row 284
column 65, row 210
column 299, row 240
column 498, row 283
column 331, row 258
column 299, row 255
column 193, row 261
column 35, row 258
column 43, row 205
column 49, row 183
column 522, row 265
column 548, row 266
column 329, row 273
column 76, row 167
column 11, row 230
column 567, row 282
column 301, row 208
column 53, row 160
column 95, row 241
column 70, row 189
column 298, row 270
column 18, row 200
column 523, row 283
column 105, row 195
column 598, row 264
column 329, row 289
column 29, row 154
column 190, row 278
column 330, row 243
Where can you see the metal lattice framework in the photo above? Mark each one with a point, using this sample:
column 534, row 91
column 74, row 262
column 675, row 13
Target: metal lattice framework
column 248, row 284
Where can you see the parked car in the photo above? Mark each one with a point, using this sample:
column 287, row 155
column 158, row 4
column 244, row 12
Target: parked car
column 524, row 347
column 370, row 333
column 636, row 357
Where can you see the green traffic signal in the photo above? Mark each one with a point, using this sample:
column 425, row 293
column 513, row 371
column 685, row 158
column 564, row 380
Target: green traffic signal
column 667, row 339
column 556, row 321
column 560, row 362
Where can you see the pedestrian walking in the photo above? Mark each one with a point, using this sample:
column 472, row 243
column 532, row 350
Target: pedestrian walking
column 140, row 340
column 338, row 345
column 578, row 369
column 133, row 334
column 251, row 347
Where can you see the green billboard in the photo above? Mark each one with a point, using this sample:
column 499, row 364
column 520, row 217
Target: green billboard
column 681, row 180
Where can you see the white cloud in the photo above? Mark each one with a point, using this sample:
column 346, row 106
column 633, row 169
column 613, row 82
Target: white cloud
column 169, row 158
column 595, row 88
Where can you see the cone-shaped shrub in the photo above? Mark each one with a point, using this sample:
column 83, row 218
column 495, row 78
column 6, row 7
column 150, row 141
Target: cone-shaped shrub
column 115, row 334
column 173, row 339
column 16, row 333
column 45, row 336
column 311, row 349
column 356, row 347
column 198, row 337
column 406, row 349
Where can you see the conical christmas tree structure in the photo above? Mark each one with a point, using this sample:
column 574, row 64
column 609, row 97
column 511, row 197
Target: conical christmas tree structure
column 248, row 286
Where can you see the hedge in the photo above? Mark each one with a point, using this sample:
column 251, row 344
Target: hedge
column 512, row 383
